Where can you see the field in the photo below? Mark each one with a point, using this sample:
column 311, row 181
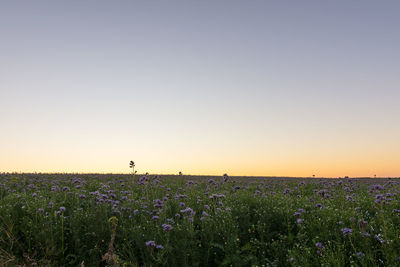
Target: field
column 126, row 220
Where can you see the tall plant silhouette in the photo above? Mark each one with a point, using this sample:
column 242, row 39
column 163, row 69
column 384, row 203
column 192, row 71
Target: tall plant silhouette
column 132, row 165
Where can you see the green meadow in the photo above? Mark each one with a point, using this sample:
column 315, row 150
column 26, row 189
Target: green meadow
column 126, row 220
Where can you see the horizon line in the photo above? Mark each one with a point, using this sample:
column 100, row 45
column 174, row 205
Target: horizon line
column 210, row 175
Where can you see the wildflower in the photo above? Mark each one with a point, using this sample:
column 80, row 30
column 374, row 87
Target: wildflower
column 319, row 245
column 323, row 193
column 297, row 214
column 160, row 247
column 166, row 227
column 150, row 243
column 187, row 210
column 365, row 234
column 40, row 210
column 346, row 231
column 286, row 191
column 62, row 209
column 155, row 217
column 379, row 198
column 379, row 238
column 377, row 187
column 299, row 221
column 360, row 255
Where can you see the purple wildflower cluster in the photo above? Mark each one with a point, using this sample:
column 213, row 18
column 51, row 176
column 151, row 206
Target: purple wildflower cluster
column 152, row 243
column 346, row 231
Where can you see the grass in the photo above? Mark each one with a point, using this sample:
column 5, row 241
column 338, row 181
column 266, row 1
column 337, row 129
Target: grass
column 109, row 220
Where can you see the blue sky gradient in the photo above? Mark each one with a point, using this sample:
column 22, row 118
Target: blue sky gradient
column 244, row 87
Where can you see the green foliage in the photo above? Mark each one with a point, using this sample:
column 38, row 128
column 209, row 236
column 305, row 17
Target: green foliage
column 61, row 220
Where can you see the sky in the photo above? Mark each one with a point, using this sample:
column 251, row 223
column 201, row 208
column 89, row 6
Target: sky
column 257, row 88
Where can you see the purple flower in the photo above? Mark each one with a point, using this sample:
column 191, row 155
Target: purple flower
column 297, row 214
column 187, row 210
column 365, row 234
column 299, row 221
column 160, row 247
column 319, row 245
column 166, row 227
column 286, row 191
column 155, row 217
column 379, row 238
column 377, row 187
column 346, row 231
column 150, row 243
column 62, row 209
column 360, row 254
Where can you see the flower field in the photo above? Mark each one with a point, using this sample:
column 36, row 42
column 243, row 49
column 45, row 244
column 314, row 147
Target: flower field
column 125, row 220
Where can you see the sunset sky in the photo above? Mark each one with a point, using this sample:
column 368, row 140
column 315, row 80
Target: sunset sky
column 268, row 88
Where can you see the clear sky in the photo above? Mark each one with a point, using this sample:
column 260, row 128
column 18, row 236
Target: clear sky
column 204, row 87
